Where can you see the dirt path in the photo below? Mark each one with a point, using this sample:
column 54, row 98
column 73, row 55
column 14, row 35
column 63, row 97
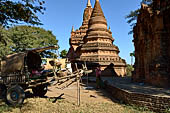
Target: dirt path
column 86, row 95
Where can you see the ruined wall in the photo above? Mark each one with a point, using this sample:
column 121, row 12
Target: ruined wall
column 152, row 44
column 157, row 104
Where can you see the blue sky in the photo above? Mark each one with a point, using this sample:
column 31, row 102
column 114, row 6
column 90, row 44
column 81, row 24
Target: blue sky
column 61, row 15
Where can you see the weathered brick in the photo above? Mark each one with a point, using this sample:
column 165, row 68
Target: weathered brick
column 154, row 103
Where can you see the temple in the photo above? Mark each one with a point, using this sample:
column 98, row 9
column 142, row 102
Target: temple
column 152, row 44
column 93, row 43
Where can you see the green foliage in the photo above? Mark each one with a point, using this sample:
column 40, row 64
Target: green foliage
column 132, row 16
column 132, row 54
column 30, row 37
column 63, row 53
column 5, row 46
column 5, row 108
column 20, row 11
column 21, row 38
column 129, row 69
column 138, row 109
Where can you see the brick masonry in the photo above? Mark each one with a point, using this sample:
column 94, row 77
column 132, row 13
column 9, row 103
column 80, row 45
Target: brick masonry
column 152, row 44
column 153, row 103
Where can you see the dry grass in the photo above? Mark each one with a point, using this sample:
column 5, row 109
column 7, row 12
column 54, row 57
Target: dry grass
column 45, row 105
column 101, row 103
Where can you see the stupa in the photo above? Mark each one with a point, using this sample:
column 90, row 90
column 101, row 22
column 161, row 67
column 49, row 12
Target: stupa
column 95, row 47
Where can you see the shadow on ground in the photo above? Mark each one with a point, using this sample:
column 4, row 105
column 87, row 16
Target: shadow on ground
column 126, row 84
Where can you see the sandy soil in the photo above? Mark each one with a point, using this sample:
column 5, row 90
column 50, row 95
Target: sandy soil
column 87, row 94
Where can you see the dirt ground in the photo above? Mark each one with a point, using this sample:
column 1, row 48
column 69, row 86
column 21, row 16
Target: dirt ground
column 92, row 101
column 87, row 94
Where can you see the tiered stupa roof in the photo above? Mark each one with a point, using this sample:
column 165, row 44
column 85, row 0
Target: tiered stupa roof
column 97, row 32
column 78, row 35
column 93, row 43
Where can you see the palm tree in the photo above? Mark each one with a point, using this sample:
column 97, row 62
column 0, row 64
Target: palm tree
column 132, row 55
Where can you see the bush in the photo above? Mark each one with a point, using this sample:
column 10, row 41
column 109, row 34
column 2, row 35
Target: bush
column 129, row 69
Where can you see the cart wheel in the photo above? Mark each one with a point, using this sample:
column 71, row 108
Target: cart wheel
column 40, row 90
column 15, row 95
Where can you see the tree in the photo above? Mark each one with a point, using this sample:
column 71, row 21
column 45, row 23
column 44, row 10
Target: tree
column 132, row 16
column 129, row 69
column 5, row 46
column 19, row 11
column 25, row 37
column 63, row 53
column 132, row 55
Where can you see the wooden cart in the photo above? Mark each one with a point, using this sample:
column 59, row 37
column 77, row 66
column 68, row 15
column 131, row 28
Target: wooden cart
column 16, row 75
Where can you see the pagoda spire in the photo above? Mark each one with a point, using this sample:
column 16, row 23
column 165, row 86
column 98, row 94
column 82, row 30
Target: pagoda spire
column 89, row 4
column 72, row 30
column 109, row 28
column 97, row 10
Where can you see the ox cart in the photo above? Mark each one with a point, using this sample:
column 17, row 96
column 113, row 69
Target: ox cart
column 22, row 71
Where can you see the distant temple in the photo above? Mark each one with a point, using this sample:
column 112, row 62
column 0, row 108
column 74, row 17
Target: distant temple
column 93, row 43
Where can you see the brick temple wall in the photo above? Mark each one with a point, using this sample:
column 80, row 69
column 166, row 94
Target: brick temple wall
column 153, row 103
column 152, row 44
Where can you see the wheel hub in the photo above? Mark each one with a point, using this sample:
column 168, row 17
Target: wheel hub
column 14, row 96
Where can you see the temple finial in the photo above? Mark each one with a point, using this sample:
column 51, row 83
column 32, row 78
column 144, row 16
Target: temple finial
column 109, row 28
column 72, row 30
column 88, row 3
